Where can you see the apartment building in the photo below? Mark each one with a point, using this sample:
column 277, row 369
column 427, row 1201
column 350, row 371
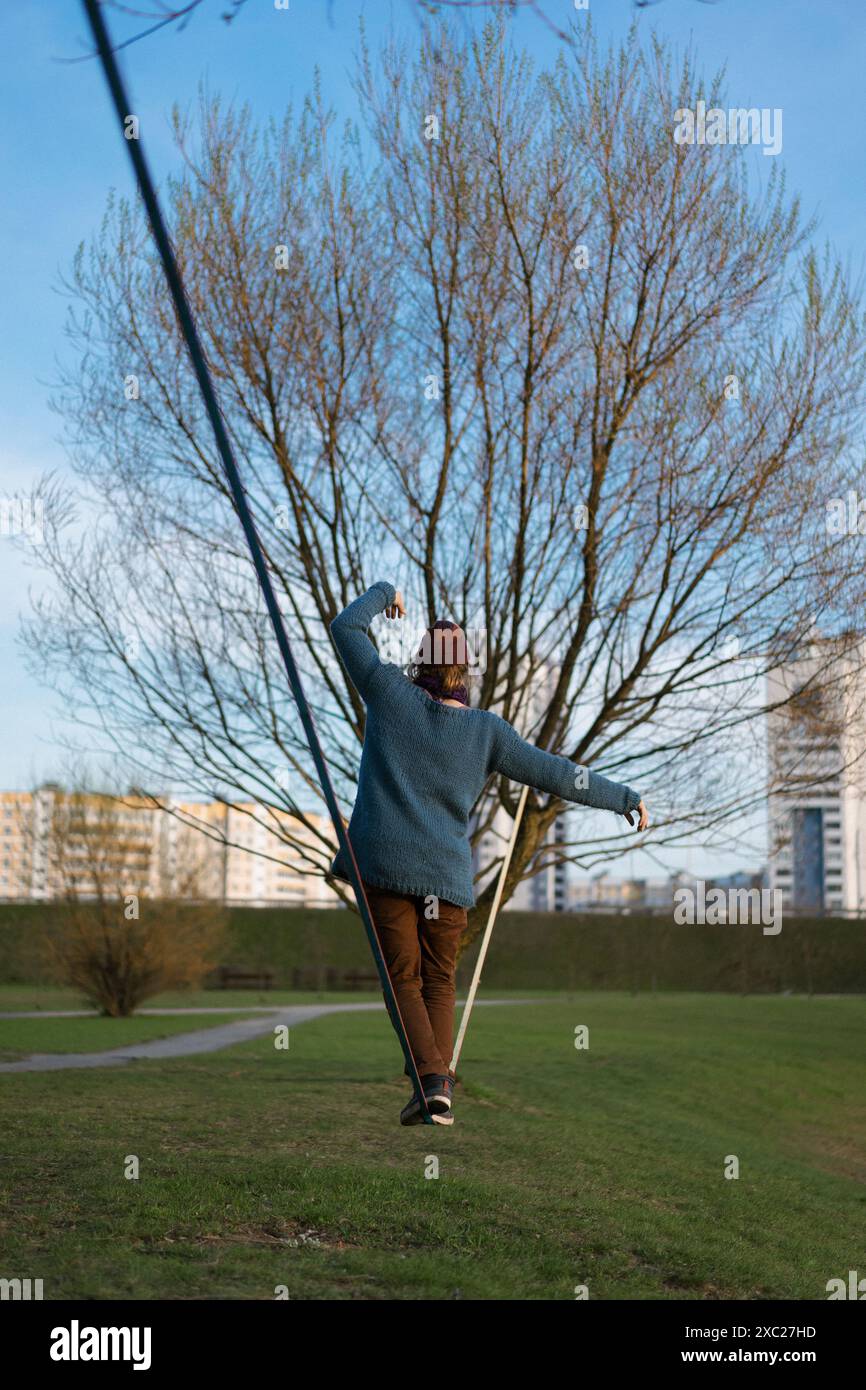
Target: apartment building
column 817, row 771
column 547, row 890
column 602, row 892
column 16, row 847
column 51, row 842
column 243, row 854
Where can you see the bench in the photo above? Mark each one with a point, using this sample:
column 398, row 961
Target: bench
column 330, row 978
column 230, row 977
column 361, row 979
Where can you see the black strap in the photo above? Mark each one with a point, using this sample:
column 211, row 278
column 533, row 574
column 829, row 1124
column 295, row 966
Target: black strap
column 188, row 329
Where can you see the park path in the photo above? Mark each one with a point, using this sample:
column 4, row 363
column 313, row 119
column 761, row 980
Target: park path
column 187, row 1044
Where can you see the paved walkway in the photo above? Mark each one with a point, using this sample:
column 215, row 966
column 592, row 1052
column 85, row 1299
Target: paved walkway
column 188, row 1044
column 155, row 1013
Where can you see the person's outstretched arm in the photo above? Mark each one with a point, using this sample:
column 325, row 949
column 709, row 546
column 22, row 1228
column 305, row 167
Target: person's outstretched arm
column 550, row 772
column 349, row 631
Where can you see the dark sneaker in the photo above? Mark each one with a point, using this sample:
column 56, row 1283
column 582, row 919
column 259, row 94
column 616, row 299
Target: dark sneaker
column 437, row 1092
column 411, row 1113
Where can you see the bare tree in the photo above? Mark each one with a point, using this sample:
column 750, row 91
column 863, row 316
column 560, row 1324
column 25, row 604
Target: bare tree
column 166, row 15
column 578, row 386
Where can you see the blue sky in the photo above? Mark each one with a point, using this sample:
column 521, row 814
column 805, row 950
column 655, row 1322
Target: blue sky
column 61, row 153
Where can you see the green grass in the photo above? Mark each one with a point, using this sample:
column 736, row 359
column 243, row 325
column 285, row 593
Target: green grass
column 20, row 1037
column 261, row 1168
column 27, row 998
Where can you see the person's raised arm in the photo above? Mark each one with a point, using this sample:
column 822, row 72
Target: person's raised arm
column 349, row 631
column 550, row 772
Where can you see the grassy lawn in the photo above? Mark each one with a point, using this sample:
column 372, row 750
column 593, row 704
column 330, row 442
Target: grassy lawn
column 19, row 1037
column 261, row 1168
column 30, row 998
column 27, row 998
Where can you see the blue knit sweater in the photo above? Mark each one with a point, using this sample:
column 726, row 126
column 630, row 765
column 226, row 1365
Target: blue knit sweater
column 424, row 765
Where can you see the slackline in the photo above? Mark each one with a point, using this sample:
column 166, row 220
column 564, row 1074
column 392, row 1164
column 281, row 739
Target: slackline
column 488, row 931
column 191, row 338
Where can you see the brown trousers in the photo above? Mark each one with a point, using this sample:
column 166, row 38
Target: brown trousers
column 421, row 955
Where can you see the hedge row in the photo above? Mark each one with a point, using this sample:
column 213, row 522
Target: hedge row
column 529, row 951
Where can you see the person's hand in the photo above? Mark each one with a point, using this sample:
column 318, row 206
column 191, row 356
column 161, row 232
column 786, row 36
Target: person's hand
column 396, row 609
column 642, row 817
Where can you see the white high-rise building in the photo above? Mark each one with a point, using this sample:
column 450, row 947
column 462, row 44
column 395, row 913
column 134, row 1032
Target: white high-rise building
column 245, row 854
column 817, row 770
column 546, row 891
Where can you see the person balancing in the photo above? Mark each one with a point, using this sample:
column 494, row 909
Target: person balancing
column 426, row 758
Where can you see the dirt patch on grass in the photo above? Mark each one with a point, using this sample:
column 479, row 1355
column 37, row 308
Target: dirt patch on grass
column 842, row 1155
column 274, row 1234
column 680, row 1283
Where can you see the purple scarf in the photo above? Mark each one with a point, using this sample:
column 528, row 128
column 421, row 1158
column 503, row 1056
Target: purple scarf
column 432, row 683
